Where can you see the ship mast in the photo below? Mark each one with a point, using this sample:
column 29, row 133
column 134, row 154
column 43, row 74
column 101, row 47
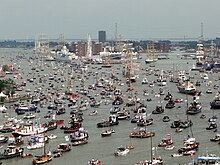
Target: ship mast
column 89, row 47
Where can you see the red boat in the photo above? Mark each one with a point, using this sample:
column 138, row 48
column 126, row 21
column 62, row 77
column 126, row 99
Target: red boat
column 59, row 122
column 165, row 142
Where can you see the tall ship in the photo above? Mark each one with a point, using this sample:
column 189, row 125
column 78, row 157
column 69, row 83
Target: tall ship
column 151, row 57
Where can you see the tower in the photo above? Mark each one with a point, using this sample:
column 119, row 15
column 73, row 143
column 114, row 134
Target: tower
column 102, row 36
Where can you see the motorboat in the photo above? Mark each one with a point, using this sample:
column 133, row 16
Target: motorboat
column 112, row 120
column 11, row 151
column 121, row 151
column 165, row 142
column 63, row 147
column 189, row 144
column 107, row 132
column 170, row 104
column 79, row 135
column 215, row 104
column 194, row 108
column 94, row 162
column 42, row 159
column 208, row 159
column 144, row 81
column 80, row 142
column 3, row 138
column 29, row 129
column 52, row 136
column 169, row 147
column 142, row 134
column 22, row 108
column 216, row 138
column 159, row 109
column 166, row 118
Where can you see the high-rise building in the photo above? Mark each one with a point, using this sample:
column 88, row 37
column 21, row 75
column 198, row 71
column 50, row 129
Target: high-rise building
column 102, row 36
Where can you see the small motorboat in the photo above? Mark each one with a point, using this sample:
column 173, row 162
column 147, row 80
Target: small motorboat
column 57, row 155
column 216, row 138
column 121, row 151
column 176, row 155
column 178, row 130
column 95, row 112
column 170, row 147
column 166, row 118
column 203, row 116
column 52, row 136
column 63, row 147
column 94, row 162
column 107, row 132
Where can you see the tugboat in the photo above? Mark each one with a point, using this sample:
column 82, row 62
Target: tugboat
column 11, row 151
column 113, row 120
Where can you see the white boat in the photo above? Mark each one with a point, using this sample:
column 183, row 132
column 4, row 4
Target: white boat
column 35, row 145
column 121, row 151
column 65, row 56
column 144, row 81
column 52, row 136
column 29, row 129
column 170, row 147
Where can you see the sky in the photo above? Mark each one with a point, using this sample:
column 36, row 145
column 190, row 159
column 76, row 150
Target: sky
column 136, row 19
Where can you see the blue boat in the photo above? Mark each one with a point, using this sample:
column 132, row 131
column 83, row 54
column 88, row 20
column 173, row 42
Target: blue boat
column 21, row 109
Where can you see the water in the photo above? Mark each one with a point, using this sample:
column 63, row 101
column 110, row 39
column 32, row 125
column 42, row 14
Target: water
column 103, row 148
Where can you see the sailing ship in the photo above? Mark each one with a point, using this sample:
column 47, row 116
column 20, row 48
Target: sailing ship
column 42, row 158
column 151, row 57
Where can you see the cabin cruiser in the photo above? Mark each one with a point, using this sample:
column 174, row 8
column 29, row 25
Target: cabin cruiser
column 165, row 142
column 189, row 144
column 63, row 147
column 107, row 132
column 121, row 151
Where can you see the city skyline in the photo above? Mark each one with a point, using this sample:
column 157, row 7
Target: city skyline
column 142, row 19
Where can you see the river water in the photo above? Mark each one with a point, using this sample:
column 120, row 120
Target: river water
column 103, row 148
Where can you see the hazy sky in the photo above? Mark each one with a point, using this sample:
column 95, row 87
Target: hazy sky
column 136, row 19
